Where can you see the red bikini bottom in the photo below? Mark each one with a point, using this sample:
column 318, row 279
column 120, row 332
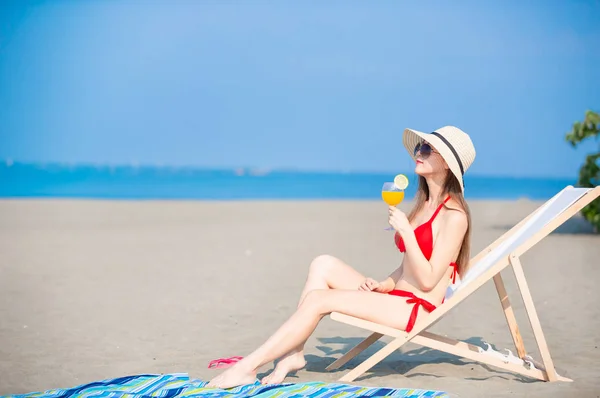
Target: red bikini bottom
column 418, row 302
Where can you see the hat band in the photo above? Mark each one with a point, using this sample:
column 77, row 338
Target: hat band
column 449, row 145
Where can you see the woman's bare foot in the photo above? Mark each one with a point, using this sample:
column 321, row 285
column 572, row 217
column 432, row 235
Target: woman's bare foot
column 290, row 363
column 237, row 375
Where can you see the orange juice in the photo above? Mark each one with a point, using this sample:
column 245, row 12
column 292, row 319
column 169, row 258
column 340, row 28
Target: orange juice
column 392, row 198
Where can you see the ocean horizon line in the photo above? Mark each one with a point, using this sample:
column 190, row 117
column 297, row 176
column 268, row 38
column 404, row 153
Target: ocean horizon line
column 251, row 170
column 20, row 180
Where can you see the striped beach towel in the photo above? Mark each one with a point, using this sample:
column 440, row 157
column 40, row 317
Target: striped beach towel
column 180, row 385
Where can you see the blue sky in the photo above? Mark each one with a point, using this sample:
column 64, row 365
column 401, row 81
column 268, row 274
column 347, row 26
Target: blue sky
column 306, row 85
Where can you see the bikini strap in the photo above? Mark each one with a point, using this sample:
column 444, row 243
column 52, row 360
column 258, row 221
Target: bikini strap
column 439, row 208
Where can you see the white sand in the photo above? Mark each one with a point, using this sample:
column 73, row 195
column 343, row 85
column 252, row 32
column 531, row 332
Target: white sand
column 91, row 290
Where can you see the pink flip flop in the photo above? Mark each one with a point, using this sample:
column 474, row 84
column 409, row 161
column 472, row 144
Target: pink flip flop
column 223, row 362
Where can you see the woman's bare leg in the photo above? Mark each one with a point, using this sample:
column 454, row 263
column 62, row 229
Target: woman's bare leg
column 328, row 272
column 325, row 272
column 376, row 307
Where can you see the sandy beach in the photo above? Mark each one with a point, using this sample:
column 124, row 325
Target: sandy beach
column 91, row 290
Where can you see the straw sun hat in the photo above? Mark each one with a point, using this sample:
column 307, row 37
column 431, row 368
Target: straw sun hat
column 453, row 144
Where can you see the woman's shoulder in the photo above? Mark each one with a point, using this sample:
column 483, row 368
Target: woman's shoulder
column 453, row 204
column 455, row 212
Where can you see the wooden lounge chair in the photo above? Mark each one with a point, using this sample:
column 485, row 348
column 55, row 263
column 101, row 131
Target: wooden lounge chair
column 487, row 265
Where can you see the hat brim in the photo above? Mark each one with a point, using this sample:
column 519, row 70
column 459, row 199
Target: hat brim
column 410, row 139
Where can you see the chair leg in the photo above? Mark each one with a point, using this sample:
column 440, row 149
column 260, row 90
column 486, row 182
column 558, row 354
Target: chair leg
column 360, row 347
column 533, row 317
column 374, row 359
column 510, row 316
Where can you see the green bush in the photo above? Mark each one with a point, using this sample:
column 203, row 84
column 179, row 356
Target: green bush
column 589, row 174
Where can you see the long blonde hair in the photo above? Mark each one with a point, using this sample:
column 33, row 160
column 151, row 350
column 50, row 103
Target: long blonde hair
column 451, row 187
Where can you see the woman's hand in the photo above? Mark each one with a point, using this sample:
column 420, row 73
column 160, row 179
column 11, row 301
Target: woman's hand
column 371, row 285
column 398, row 220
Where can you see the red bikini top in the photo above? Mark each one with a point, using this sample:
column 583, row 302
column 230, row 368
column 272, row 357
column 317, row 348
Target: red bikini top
column 424, row 235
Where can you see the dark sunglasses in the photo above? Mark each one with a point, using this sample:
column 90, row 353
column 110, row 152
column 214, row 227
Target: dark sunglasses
column 425, row 149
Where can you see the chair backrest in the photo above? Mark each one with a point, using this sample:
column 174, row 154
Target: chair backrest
column 545, row 214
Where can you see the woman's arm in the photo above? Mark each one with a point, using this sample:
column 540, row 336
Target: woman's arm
column 448, row 243
column 390, row 282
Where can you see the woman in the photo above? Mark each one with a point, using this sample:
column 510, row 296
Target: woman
column 434, row 252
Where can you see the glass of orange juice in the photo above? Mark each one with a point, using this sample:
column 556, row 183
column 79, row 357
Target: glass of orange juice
column 392, row 193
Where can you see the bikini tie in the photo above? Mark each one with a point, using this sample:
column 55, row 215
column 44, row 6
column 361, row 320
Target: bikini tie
column 454, row 272
column 418, row 302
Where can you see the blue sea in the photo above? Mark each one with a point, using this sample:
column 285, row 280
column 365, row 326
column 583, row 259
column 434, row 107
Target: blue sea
column 20, row 180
